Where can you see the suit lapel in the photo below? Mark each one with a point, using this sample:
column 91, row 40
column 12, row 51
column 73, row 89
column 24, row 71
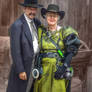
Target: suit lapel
column 26, row 29
column 35, row 24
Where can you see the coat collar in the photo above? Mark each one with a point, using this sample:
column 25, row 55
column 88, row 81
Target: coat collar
column 24, row 20
column 26, row 29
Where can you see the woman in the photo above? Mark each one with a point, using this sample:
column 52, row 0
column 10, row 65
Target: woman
column 55, row 54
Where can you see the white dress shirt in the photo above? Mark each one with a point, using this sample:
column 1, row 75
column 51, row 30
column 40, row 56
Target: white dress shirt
column 35, row 41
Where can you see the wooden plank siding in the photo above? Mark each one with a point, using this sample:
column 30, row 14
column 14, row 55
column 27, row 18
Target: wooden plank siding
column 78, row 15
column 5, row 12
column 79, row 18
column 90, row 24
column 9, row 11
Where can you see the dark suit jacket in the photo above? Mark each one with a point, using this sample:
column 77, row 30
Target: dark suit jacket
column 22, row 53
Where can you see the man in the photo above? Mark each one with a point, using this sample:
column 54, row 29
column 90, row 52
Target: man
column 24, row 45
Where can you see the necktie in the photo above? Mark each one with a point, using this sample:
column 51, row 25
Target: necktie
column 34, row 37
column 34, row 34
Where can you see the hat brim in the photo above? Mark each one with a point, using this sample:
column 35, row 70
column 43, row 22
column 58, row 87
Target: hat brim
column 31, row 5
column 44, row 11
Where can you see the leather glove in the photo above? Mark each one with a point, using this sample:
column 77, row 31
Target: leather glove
column 60, row 72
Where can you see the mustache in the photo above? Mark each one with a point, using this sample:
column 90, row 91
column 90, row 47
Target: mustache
column 32, row 14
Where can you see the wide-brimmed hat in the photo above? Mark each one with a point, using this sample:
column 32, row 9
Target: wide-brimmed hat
column 31, row 3
column 52, row 8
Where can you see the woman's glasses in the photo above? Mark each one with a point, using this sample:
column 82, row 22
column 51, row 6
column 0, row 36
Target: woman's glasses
column 54, row 15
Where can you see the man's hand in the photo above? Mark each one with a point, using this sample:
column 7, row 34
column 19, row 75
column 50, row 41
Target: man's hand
column 23, row 76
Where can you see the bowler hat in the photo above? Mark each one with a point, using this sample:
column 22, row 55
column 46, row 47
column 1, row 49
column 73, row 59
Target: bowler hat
column 31, row 3
column 52, row 8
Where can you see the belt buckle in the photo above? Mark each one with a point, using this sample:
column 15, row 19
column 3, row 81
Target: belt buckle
column 56, row 55
column 49, row 54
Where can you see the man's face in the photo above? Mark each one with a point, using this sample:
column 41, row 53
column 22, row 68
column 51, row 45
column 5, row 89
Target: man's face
column 30, row 12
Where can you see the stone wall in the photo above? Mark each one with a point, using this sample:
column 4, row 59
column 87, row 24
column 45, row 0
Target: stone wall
column 4, row 62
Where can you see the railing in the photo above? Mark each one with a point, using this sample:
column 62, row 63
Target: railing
column 80, row 64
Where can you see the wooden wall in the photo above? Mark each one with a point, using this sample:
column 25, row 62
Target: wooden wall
column 90, row 24
column 9, row 10
column 78, row 15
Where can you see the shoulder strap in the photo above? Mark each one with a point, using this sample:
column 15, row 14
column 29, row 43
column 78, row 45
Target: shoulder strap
column 40, row 32
column 57, row 46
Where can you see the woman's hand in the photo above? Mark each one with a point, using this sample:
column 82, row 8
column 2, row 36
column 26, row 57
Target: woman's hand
column 23, row 76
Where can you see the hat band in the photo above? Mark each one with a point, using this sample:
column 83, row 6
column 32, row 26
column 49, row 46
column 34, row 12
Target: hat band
column 32, row 2
column 52, row 10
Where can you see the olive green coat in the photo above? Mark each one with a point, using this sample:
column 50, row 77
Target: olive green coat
column 48, row 83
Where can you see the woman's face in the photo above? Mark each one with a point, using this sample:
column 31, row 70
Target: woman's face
column 52, row 18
